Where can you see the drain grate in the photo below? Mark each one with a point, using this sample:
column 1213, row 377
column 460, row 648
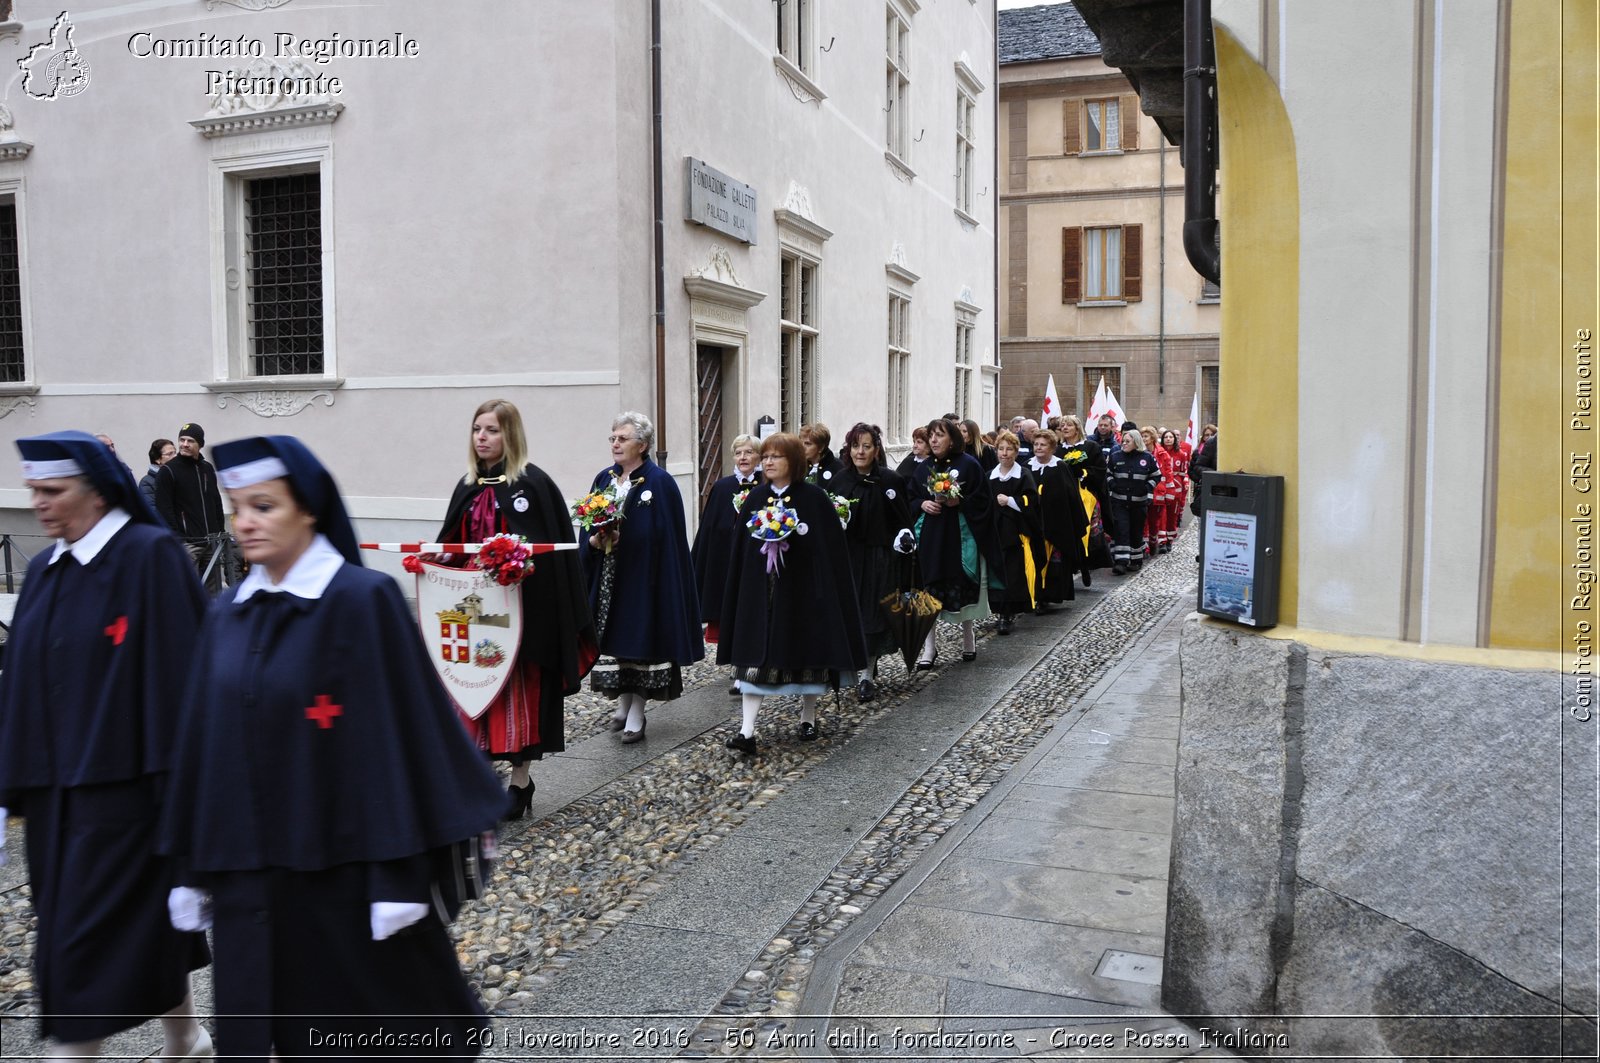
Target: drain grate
column 1130, row 967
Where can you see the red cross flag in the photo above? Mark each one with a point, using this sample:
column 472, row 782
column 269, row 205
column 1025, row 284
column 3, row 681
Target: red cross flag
column 1105, row 401
column 1052, row 404
column 1192, row 436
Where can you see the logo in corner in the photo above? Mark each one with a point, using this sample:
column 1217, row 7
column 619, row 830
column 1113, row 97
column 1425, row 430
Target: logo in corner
column 55, row 69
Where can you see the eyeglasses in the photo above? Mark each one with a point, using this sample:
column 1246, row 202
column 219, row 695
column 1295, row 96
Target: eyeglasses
column 620, row 439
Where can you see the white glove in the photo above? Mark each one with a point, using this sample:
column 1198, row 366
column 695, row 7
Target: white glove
column 905, row 542
column 189, row 909
column 3, row 857
column 391, row 917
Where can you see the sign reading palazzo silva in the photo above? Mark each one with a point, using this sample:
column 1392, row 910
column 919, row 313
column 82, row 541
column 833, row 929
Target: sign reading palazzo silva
column 717, row 201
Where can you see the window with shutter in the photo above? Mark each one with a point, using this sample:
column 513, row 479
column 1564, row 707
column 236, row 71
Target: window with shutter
column 1071, row 129
column 1071, row 264
column 1132, row 262
column 1130, row 123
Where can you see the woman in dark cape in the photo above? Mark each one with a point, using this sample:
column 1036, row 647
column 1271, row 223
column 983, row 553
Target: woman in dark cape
column 710, row 550
column 1063, row 519
column 880, row 518
column 323, row 792
column 955, row 539
column 94, row 674
column 790, row 622
column 527, row 719
column 1014, row 585
column 642, row 589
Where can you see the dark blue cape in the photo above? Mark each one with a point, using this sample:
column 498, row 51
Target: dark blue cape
column 76, row 705
column 655, row 612
column 260, row 783
column 804, row 618
column 939, row 543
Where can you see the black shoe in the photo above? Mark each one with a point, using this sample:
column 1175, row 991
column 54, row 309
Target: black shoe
column 1005, row 626
column 969, row 655
column 740, row 744
column 1119, row 570
column 733, row 690
column 518, row 798
column 925, row 666
column 865, row 691
column 808, row 732
column 1087, row 579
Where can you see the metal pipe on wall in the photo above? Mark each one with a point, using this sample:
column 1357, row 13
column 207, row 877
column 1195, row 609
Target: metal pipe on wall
column 657, row 172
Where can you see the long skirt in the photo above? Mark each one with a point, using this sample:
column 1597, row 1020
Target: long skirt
column 106, row 957
column 297, row 971
column 509, row 728
column 877, row 572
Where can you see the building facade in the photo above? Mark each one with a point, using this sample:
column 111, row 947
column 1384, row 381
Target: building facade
column 1094, row 282
column 1385, row 839
column 354, row 224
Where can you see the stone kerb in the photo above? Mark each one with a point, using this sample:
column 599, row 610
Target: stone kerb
column 1228, row 838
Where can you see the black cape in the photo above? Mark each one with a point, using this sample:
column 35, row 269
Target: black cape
column 883, row 508
column 939, row 543
column 557, row 631
column 803, row 618
column 710, row 552
column 1017, row 536
column 1065, row 523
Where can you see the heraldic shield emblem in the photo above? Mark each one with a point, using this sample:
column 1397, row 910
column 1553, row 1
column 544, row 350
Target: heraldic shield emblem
column 472, row 628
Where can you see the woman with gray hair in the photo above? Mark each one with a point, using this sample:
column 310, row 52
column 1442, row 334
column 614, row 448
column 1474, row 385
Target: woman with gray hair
column 718, row 518
column 642, row 589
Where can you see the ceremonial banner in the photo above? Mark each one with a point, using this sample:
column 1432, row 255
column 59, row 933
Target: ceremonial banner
column 472, row 628
column 1052, row 405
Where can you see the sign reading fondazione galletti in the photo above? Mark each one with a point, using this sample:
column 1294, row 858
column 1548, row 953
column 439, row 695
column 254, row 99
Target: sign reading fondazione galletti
column 719, row 202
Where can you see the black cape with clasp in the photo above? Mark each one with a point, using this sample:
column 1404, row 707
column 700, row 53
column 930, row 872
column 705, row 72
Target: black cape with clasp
column 557, row 630
column 805, row 616
column 710, row 552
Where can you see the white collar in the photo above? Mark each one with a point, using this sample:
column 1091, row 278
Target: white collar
column 1036, row 465
column 1014, row 474
column 89, row 545
column 308, row 577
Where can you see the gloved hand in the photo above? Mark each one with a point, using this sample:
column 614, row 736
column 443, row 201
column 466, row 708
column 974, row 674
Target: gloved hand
column 391, row 917
column 905, row 542
column 189, row 909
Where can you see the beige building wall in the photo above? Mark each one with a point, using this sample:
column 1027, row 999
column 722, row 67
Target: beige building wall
column 1159, row 343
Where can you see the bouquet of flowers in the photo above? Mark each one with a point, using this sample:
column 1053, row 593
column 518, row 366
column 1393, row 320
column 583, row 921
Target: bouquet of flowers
column 597, row 510
column 738, row 499
column 771, row 525
column 842, row 506
column 945, row 487
column 504, row 559
column 1075, row 457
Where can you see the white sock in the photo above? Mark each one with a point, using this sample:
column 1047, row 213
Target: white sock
column 181, row 1030
column 808, row 708
column 751, row 705
column 619, row 711
column 969, row 637
column 74, row 1050
column 929, row 646
column 635, row 713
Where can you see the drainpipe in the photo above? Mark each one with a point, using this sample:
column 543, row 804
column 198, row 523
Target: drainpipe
column 1161, row 279
column 656, row 174
column 1200, row 141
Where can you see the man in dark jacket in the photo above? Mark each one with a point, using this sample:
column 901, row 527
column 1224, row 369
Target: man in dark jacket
column 189, row 501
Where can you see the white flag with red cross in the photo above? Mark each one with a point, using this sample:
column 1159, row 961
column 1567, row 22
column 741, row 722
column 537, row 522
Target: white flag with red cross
column 1052, row 404
column 1192, row 436
column 1105, row 401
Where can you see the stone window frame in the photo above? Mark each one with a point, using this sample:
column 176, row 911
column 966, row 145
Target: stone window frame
column 13, row 193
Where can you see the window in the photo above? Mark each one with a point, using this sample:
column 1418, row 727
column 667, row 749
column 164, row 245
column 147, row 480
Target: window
column 795, row 33
column 966, row 328
column 13, row 356
column 1102, row 264
column 283, row 272
column 1210, row 382
column 798, row 349
column 1210, row 292
column 1089, row 377
column 899, row 367
column 897, row 116
column 1100, row 126
column 966, row 108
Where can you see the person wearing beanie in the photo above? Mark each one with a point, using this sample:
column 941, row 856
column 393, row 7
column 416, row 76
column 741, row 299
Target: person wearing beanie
column 88, row 723
column 327, row 811
column 188, row 500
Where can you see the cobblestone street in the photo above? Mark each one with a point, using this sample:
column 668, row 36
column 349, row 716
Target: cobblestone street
column 670, row 898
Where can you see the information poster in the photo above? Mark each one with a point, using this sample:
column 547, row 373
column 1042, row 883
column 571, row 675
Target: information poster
column 1227, row 582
